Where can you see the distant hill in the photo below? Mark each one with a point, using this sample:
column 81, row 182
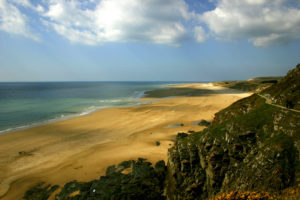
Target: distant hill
column 254, row 84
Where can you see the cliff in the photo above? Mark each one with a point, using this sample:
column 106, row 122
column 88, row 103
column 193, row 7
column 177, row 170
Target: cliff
column 250, row 146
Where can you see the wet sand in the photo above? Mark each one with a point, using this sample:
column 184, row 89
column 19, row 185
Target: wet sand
column 81, row 148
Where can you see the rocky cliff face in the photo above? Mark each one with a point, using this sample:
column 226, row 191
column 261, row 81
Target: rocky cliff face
column 250, row 145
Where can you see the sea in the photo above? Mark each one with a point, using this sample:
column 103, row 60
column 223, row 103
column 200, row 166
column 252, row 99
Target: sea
column 24, row 105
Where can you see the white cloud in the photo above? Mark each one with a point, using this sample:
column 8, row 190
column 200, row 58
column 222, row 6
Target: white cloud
column 40, row 8
column 13, row 21
column 262, row 22
column 200, row 34
column 123, row 21
column 93, row 22
column 27, row 4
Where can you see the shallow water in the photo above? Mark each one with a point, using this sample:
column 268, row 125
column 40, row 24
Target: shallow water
column 28, row 104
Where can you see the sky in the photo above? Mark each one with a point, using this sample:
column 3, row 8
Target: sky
column 147, row 40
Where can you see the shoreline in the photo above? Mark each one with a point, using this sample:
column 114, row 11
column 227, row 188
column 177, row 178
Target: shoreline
column 81, row 148
column 127, row 100
column 70, row 116
column 59, row 119
column 141, row 99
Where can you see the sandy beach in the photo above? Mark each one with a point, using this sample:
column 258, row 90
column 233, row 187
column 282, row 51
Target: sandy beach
column 81, row 148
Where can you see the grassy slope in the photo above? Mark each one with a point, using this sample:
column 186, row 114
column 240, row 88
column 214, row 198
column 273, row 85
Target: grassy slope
column 254, row 84
column 287, row 91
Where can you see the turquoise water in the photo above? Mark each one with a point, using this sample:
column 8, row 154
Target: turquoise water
column 24, row 105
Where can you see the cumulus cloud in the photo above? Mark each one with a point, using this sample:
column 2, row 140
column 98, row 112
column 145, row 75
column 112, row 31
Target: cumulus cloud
column 123, row 21
column 262, row 22
column 13, row 21
column 93, row 22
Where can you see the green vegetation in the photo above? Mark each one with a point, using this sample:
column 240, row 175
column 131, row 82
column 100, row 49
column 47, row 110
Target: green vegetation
column 172, row 92
column 287, row 91
column 255, row 84
column 250, row 146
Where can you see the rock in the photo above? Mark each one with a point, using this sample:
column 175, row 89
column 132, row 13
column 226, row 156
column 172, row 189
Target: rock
column 204, row 123
column 40, row 192
column 143, row 182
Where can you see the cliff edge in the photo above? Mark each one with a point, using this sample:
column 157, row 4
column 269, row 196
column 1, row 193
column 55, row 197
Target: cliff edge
column 252, row 145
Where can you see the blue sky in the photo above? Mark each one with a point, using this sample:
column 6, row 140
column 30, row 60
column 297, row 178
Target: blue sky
column 149, row 40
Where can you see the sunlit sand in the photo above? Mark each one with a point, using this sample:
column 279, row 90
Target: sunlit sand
column 81, row 148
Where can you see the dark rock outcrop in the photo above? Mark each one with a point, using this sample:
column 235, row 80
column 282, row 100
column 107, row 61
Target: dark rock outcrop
column 129, row 180
column 204, row 123
column 40, row 192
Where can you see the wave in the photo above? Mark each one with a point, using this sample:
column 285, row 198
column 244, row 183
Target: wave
column 139, row 94
column 94, row 106
column 108, row 103
column 119, row 101
column 92, row 109
column 109, row 100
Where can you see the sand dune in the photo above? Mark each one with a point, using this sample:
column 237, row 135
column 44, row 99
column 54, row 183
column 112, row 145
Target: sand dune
column 82, row 148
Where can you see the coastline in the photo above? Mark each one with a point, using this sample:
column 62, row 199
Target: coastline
column 134, row 101
column 82, row 147
column 63, row 118
column 53, row 102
